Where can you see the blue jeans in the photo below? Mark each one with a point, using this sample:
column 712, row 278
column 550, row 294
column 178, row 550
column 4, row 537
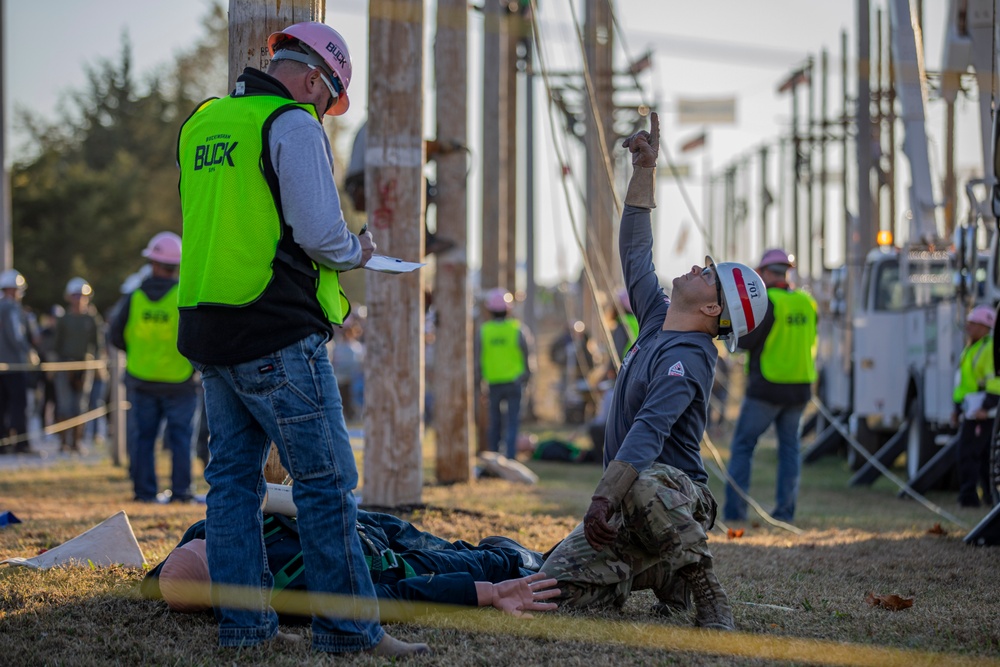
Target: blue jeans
column 508, row 393
column 289, row 397
column 143, row 425
column 755, row 417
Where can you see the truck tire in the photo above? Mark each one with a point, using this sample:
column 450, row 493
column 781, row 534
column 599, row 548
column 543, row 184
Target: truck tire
column 871, row 440
column 919, row 439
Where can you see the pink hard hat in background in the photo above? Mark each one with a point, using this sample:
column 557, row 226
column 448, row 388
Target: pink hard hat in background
column 164, row 248
column 982, row 315
column 184, row 579
column 499, row 300
column 775, row 256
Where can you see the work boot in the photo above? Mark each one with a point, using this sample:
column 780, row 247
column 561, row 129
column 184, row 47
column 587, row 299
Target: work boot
column 710, row 601
column 390, row 647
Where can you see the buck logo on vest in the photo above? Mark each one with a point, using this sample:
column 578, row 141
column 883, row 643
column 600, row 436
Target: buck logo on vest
column 155, row 316
column 210, row 155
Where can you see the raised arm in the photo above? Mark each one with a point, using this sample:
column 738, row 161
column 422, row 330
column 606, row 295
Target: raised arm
column 635, row 237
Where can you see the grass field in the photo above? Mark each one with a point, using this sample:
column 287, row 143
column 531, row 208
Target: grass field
column 797, row 598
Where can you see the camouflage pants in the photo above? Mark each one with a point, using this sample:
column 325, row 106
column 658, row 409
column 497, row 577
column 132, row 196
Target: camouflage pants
column 662, row 526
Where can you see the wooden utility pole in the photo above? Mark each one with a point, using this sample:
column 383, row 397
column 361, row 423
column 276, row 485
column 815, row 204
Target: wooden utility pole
column 514, row 27
column 452, row 387
column 252, row 21
column 822, row 161
column 494, row 212
column 861, row 234
column 765, row 195
column 394, row 190
column 601, row 246
column 6, row 247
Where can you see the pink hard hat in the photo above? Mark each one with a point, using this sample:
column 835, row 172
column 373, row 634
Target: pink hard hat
column 184, row 579
column 331, row 49
column 164, row 248
column 499, row 300
column 775, row 256
column 982, row 315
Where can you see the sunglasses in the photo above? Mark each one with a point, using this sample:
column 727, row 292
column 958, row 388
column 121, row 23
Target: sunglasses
column 709, row 275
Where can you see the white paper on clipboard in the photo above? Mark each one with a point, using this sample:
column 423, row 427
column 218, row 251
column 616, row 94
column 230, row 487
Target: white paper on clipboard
column 384, row 264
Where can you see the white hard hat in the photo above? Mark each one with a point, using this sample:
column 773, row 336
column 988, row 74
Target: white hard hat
column 12, row 279
column 744, row 300
column 78, row 286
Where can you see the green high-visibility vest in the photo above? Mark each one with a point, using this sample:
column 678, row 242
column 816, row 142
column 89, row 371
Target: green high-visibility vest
column 632, row 322
column 789, row 354
column 975, row 370
column 501, row 358
column 232, row 225
column 151, row 339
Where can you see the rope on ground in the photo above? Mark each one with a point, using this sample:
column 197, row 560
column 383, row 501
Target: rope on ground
column 722, row 473
column 882, row 469
column 577, row 628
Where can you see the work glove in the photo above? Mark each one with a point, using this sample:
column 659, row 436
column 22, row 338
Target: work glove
column 596, row 529
column 645, row 147
column 607, row 498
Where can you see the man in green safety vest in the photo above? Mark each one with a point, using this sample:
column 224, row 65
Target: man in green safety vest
column 504, row 363
column 159, row 381
column 781, row 370
column 976, row 396
column 264, row 240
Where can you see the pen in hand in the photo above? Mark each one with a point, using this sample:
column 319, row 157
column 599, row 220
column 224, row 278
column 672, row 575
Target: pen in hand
column 364, row 230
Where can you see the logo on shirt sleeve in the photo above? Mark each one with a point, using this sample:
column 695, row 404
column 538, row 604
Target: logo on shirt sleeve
column 677, row 369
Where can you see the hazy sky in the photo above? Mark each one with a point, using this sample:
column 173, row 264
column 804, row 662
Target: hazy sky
column 711, row 49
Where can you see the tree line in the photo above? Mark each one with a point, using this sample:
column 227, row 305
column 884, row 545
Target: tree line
column 101, row 180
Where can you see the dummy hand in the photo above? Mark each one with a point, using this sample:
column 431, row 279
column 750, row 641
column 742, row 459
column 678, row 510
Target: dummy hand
column 596, row 529
column 643, row 145
column 367, row 246
column 518, row 597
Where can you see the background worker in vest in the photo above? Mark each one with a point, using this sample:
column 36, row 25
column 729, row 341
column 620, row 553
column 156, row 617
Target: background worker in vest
column 976, row 396
column 18, row 335
column 160, row 382
column 504, row 362
column 625, row 323
column 780, row 372
column 77, row 337
column 264, row 240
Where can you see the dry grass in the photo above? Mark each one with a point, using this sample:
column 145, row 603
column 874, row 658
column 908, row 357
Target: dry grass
column 793, row 595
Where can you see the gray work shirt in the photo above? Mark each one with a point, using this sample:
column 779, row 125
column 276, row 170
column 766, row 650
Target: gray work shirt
column 660, row 405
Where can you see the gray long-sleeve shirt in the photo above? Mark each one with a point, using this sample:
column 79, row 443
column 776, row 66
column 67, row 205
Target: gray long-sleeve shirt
column 303, row 160
column 660, row 404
